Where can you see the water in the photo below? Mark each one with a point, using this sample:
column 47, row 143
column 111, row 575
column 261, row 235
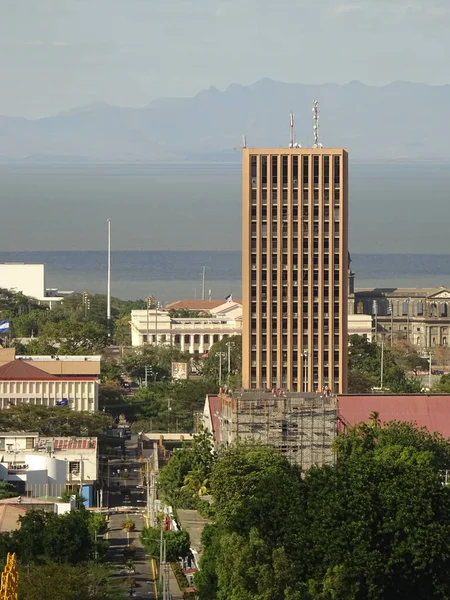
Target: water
column 170, row 276
column 168, row 221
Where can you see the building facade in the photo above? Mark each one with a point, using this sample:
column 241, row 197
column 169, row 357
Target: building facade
column 46, row 466
column 22, row 383
column 295, row 268
column 193, row 335
column 302, row 426
column 418, row 316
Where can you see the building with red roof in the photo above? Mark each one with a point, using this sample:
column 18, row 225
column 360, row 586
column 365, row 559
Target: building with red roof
column 24, row 383
column 425, row 410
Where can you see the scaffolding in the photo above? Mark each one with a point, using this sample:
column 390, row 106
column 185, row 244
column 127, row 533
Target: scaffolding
column 302, row 426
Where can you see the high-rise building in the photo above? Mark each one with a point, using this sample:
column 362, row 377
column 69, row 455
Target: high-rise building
column 295, row 268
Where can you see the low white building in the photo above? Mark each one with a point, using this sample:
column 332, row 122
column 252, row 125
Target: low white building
column 194, row 335
column 46, row 466
column 360, row 325
column 30, row 280
column 22, row 383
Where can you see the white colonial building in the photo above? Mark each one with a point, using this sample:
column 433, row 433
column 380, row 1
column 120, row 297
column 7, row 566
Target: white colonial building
column 194, row 335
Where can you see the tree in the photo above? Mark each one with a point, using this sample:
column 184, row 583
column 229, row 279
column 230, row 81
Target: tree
column 54, row 581
column 75, row 338
column 210, row 367
column 53, row 421
column 364, row 363
column 443, row 387
column 250, row 484
column 7, row 490
column 177, row 543
column 374, row 526
column 194, row 460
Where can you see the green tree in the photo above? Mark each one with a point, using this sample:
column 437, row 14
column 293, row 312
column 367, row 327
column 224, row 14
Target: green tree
column 210, row 367
column 53, row 421
column 75, row 338
column 54, row 581
column 195, row 460
column 443, row 387
column 177, row 543
column 364, row 363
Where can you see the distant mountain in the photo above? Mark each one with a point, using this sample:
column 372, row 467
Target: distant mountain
column 397, row 121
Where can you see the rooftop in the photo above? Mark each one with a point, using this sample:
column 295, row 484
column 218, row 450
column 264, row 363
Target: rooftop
column 426, row 410
column 196, row 304
column 19, row 370
column 44, row 358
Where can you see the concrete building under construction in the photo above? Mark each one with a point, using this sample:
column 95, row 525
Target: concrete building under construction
column 302, row 426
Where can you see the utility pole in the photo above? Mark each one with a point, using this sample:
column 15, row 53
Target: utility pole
column 108, row 298
column 203, row 283
column 149, row 523
column 391, row 308
column 382, row 365
column 220, row 369
column 229, row 360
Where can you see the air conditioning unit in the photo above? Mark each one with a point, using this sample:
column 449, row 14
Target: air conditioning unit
column 254, row 181
column 295, row 182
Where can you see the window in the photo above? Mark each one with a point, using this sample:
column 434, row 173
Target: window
column 295, row 171
column 29, row 441
column 305, row 171
column 274, row 171
column 419, row 308
column 253, row 170
column 316, row 170
column 285, row 170
column 74, row 467
column 196, row 339
column 326, row 171
column 336, row 171
column 264, row 171
column 187, row 339
column 405, row 308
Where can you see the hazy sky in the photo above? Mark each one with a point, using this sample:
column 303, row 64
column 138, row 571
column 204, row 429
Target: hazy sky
column 58, row 54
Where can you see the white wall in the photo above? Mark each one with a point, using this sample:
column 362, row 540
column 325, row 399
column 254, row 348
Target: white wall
column 26, row 278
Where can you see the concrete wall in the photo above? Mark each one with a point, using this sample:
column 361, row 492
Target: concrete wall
column 26, row 278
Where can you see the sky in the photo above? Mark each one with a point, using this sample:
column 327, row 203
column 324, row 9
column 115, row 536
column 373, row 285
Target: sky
column 59, row 54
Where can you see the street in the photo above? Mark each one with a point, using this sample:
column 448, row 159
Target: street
column 143, row 577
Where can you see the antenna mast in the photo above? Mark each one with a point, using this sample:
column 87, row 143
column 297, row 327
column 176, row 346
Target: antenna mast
column 291, row 130
column 315, row 109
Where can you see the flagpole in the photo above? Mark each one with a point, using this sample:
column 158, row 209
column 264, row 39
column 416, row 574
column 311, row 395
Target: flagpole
column 108, row 299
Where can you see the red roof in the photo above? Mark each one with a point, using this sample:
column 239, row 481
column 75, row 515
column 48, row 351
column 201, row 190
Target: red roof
column 214, row 410
column 77, row 444
column 430, row 411
column 19, row 370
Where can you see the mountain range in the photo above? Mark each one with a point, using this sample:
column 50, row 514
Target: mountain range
column 397, row 121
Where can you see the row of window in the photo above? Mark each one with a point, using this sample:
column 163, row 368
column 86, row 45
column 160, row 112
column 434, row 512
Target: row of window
column 279, row 170
column 187, row 338
column 293, row 214
column 317, row 198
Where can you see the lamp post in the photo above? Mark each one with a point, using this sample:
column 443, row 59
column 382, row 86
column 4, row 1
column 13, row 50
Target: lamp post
column 391, row 309
column 407, row 319
column 229, row 360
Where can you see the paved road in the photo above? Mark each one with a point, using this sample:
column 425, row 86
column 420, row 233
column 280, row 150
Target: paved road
column 118, row 539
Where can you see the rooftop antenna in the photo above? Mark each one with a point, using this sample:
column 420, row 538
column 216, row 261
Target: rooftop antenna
column 315, row 109
column 244, row 141
column 291, row 130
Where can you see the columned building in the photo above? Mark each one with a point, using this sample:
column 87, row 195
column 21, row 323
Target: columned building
column 419, row 316
column 194, row 335
column 295, row 268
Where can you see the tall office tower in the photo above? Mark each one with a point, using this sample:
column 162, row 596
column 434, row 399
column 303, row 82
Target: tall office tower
column 295, row 268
